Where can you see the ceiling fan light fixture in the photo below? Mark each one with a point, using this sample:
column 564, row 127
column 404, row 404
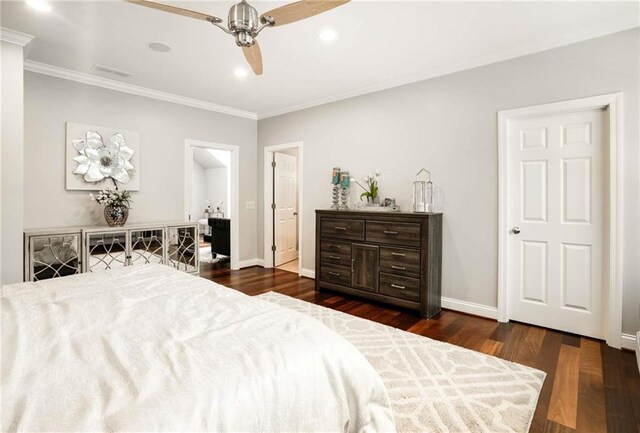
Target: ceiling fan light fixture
column 240, row 73
column 244, row 39
column 328, row 35
column 245, row 24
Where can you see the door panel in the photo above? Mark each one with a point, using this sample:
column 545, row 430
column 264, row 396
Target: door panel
column 576, row 190
column 534, row 190
column 286, row 197
column 576, row 276
column 365, row 267
column 556, row 185
column 534, row 271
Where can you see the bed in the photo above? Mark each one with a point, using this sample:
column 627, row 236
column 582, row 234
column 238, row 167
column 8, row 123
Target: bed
column 149, row 348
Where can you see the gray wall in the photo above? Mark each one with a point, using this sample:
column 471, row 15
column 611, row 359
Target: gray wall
column 11, row 155
column 448, row 125
column 163, row 127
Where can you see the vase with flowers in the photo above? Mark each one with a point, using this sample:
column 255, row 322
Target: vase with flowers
column 116, row 205
column 371, row 189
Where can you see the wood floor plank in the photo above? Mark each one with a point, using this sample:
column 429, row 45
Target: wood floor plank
column 547, row 362
column 502, row 331
column 564, row 396
column 632, row 380
column 571, row 340
column 592, row 416
column 595, row 390
column 553, row 427
column 513, row 341
column 491, row 347
column 619, row 407
column 528, row 351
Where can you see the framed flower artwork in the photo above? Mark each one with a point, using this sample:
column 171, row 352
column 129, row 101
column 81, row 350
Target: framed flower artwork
column 101, row 157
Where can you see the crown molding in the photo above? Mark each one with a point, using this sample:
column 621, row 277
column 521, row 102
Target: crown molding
column 14, row 37
column 544, row 44
column 106, row 83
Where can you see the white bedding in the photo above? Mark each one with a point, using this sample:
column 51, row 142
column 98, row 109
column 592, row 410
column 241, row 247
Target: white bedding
column 148, row 348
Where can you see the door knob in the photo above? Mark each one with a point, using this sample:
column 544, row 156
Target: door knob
column 515, row 230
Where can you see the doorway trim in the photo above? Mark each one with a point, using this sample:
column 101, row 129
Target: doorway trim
column 268, row 192
column 612, row 103
column 234, row 198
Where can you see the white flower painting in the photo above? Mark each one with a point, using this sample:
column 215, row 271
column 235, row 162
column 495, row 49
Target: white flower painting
column 99, row 157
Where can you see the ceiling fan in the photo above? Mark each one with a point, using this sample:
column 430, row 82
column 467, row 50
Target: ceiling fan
column 245, row 25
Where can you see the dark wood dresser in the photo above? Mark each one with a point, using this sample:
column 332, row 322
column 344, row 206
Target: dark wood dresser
column 391, row 257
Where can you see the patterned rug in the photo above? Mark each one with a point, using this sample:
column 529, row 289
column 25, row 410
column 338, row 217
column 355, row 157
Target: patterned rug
column 436, row 386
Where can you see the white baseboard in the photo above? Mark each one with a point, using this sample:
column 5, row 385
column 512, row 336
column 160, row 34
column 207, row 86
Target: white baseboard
column 628, row 341
column 308, row 273
column 250, row 262
column 470, row 308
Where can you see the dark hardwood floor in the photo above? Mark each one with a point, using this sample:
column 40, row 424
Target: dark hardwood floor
column 590, row 387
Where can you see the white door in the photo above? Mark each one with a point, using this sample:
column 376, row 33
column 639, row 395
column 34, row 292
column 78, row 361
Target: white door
column 286, row 208
column 555, row 190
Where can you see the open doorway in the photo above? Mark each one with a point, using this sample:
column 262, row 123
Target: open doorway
column 210, row 192
column 283, row 207
column 211, row 185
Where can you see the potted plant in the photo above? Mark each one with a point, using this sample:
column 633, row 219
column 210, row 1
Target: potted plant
column 116, row 205
column 371, row 190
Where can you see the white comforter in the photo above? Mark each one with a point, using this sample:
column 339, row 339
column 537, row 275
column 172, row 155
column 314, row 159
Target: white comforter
column 148, row 348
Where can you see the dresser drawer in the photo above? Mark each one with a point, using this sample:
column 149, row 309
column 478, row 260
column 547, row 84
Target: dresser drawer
column 400, row 287
column 400, row 261
column 342, row 229
column 336, row 274
column 393, row 233
column 335, row 252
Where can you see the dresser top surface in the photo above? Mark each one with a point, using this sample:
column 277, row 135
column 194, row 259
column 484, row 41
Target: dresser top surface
column 375, row 213
column 94, row 228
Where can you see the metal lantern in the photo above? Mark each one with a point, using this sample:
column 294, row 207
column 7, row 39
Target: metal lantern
column 423, row 193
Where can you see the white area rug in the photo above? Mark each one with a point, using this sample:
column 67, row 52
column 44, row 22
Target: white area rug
column 206, row 256
column 436, row 386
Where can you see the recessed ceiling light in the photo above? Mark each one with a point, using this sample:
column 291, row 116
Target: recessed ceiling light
column 240, row 72
column 159, row 47
column 39, row 5
column 328, row 35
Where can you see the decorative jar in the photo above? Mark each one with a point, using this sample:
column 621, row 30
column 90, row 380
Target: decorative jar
column 116, row 215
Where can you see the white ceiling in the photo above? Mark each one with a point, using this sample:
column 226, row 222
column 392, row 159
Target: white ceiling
column 381, row 44
column 211, row 158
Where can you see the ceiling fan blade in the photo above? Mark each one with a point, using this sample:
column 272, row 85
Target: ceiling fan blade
column 254, row 57
column 175, row 10
column 302, row 9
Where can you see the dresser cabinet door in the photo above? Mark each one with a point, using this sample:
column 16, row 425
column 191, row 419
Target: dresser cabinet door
column 365, row 259
column 147, row 246
column 182, row 248
column 52, row 256
column 106, row 250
